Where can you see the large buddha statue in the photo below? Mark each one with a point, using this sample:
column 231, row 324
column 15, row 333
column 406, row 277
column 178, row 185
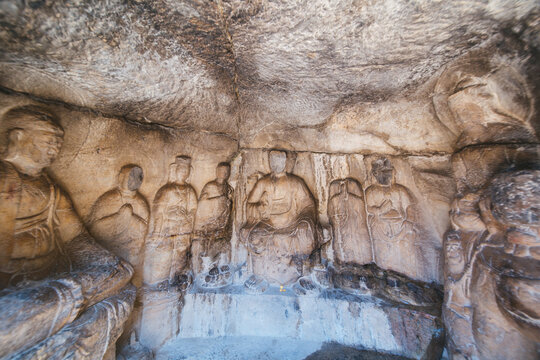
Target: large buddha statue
column 505, row 284
column 482, row 101
column 63, row 295
column 492, row 270
column 281, row 229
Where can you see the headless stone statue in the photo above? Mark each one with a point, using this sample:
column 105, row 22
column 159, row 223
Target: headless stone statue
column 173, row 216
column 391, row 217
column 119, row 219
column 281, row 229
column 50, row 268
column 346, row 211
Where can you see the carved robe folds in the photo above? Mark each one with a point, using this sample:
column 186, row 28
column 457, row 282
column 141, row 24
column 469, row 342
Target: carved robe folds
column 170, row 240
column 493, row 277
column 77, row 288
column 119, row 220
column 391, row 222
column 213, row 227
column 346, row 211
column 281, row 231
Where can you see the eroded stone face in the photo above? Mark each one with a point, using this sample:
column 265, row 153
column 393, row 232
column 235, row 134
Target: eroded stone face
column 55, row 279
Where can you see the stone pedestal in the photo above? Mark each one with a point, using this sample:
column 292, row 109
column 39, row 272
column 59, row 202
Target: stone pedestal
column 160, row 317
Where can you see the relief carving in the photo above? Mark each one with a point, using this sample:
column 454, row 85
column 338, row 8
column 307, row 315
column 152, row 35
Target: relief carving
column 281, row 229
column 55, row 278
column 481, row 102
column 211, row 245
column 492, row 276
column 346, row 212
column 173, row 217
column 119, row 219
column 391, row 219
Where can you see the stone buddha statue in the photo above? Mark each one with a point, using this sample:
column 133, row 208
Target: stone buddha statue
column 347, row 214
column 63, row 295
column 281, row 229
column 173, row 217
column 505, row 284
column 391, row 218
column 482, row 101
column 213, row 222
column 119, row 219
column 492, row 276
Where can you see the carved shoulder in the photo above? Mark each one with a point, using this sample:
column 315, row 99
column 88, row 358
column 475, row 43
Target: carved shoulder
column 107, row 204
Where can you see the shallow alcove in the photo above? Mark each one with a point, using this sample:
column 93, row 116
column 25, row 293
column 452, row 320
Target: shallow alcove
column 260, row 179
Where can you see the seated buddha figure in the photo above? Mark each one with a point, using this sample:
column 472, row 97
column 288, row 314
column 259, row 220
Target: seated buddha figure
column 281, row 228
column 61, row 294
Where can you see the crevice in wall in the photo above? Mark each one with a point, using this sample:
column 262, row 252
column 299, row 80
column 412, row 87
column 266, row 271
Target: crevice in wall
column 224, row 23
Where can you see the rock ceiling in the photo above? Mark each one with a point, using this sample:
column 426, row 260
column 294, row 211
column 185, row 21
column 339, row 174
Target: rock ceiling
column 238, row 67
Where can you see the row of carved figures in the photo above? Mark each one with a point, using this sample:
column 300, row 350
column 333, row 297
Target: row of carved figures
column 181, row 223
column 281, row 223
column 56, row 281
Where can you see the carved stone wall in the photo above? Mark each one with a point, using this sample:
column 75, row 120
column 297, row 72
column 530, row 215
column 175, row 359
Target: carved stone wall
column 427, row 179
column 284, row 228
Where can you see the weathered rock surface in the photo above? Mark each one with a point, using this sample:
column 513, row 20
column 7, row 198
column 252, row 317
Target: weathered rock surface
column 258, row 69
column 279, row 174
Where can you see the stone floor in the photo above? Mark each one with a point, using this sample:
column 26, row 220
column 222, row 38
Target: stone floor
column 334, row 351
column 249, row 348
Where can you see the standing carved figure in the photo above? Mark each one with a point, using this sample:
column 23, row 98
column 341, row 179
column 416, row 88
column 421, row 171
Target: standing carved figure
column 79, row 297
column 347, row 214
column 391, row 219
column 173, row 216
column 281, row 228
column 119, row 219
column 461, row 246
column 213, row 226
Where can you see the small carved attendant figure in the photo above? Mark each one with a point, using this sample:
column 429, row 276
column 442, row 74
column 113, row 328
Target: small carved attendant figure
column 281, row 229
column 391, row 218
column 119, row 219
column 213, row 227
column 43, row 239
column 173, row 216
column 346, row 211
column 505, row 285
column 457, row 309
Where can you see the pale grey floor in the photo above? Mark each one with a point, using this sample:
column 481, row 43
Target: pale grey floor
column 261, row 348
